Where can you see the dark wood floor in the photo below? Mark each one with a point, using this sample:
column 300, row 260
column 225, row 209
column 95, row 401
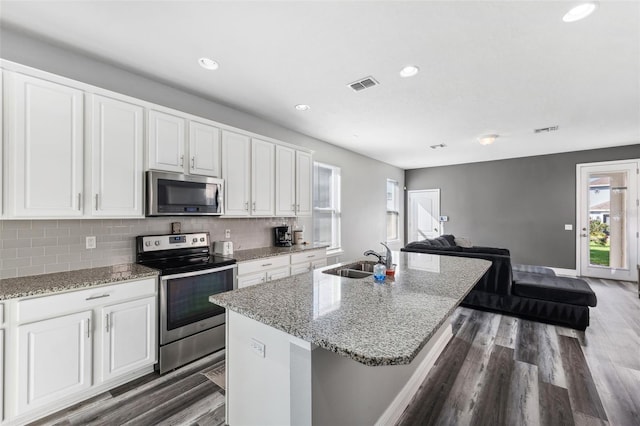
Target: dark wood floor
column 497, row 370
column 500, row 370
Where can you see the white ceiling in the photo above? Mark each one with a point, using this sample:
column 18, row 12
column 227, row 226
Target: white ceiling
column 503, row 67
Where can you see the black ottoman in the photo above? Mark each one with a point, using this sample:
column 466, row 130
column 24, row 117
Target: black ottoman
column 572, row 291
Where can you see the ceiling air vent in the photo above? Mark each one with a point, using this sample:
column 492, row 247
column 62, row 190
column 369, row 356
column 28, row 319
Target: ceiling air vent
column 546, row 129
column 363, row 83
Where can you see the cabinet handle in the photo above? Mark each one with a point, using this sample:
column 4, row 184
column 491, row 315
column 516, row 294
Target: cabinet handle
column 246, row 206
column 97, row 201
column 262, row 279
column 298, row 210
column 254, row 206
column 97, row 297
column 193, row 162
column 106, row 321
column 79, row 201
column 181, row 160
column 294, row 207
column 267, row 264
column 88, row 328
column 312, row 255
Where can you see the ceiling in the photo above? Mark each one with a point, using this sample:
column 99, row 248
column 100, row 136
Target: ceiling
column 504, row 67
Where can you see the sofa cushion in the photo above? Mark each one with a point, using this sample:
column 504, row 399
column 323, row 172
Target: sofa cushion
column 517, row 267
column 486, row 250
column 425, row 245
column 573, row 291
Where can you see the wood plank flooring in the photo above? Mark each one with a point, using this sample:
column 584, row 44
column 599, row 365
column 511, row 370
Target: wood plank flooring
column 527, row 373
column 497, row 370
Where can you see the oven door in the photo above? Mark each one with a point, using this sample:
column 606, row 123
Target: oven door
column 184, row 301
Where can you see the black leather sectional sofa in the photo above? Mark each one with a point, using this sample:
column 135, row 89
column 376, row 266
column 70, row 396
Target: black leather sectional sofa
column 530, row 292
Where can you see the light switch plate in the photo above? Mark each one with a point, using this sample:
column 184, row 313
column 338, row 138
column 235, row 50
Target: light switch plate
column 444, row 218
column 227, row 233
column 91, row 242
column 568, row 227
column 257, row 347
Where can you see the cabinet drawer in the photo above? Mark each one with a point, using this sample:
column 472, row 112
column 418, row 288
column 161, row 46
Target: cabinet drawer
column 58, row 304
column 276, row 274
column 251, row 279
column 307, row 256
column 262, row 264
column 319, row 263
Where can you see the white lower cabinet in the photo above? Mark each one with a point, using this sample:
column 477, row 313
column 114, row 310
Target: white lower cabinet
column 66, row 347
column 128, row 337
column 54, row 359
column 307, row 261
column 1, row 375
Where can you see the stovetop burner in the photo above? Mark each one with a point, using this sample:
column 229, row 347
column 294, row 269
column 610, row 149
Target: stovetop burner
column 175, row 254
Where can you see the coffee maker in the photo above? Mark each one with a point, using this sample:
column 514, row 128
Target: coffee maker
column 282, row 236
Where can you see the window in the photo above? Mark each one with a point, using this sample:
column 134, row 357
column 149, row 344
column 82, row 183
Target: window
column 393, row 211
column 326, row 205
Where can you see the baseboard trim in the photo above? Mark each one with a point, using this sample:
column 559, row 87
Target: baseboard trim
column 562, row 271
column 394, row 411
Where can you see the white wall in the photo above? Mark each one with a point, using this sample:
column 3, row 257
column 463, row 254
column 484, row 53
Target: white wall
column 363, row 179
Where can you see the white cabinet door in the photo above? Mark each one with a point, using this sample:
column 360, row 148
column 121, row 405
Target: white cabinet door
column 303, row 184
column 285, row 181
column 204, row 149
column 262, row 178
column 128, row 337
column 276, row 274
column 251, row 279
column 116, row 158
column 43, row 143
column 54, row 359
column 300, row 268
column 236, row 171
column 166, row 134
column 1, row 375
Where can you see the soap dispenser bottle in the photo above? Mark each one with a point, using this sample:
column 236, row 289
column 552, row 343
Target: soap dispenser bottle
column 379, row 271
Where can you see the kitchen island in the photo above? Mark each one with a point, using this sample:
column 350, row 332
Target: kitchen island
column 321, row 349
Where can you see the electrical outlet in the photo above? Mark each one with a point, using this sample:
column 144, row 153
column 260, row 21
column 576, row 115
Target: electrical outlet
column 91, row 242
column 568, row 227
column 257, row 347
column 227, row 233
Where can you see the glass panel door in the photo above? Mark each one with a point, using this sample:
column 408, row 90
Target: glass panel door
column 608, row 241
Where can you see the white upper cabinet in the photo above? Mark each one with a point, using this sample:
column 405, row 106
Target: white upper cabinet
column 236, row 172
column 285, row 181
column 204, row 149
column 304, row 197
column 166, row 134
column 44, row 148
column 116, row 144
column 262, row 178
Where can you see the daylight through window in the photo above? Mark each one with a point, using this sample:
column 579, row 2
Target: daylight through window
column 326, row 205
column 393, row 211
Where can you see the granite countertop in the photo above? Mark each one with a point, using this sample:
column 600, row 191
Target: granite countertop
column 373, row 323
column 262, row 252
column 11, row 288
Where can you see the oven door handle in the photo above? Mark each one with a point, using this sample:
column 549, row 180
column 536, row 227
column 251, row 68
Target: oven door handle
column 194, row 273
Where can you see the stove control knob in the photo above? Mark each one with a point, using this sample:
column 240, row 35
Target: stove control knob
column 157, row 242
column 202, row 239
column 195, row 240
column 147, row 243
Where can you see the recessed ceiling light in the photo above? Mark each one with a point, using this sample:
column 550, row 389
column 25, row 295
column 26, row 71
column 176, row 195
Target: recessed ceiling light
column 302, row 107
column 208, row 64
column 409, row 71
column 580, row 12
column 487, row 139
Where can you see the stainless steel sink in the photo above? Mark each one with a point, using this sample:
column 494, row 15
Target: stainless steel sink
column 360, row 269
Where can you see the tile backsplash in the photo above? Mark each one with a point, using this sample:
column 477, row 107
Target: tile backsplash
column 33, row 247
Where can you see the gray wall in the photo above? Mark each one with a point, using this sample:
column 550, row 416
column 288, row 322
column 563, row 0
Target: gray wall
column 521, row 204
column 363, row 179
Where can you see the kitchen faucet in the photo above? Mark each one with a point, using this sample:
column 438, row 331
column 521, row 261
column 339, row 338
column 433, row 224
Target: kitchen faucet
column 387, row 260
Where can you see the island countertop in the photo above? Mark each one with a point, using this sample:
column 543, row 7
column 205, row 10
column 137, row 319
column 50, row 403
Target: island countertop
column 373, row 323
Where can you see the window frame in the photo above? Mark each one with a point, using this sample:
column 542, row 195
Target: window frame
column 336, row 213
column 395, row 195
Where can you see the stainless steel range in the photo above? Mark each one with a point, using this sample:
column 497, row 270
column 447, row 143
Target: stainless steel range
column 190, row 326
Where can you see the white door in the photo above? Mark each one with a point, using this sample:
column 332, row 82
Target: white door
column 128, row 337
column 236, row 172
column 204, row 149
column 54, row 359
column 166, row 134
column 608, row 219
column 44, row 145
column 263, row 196
column 285, row 181
column 424, row 214
column 304, row 199
column 116, row 158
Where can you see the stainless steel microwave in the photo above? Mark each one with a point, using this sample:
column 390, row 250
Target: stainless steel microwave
column 173, row 194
